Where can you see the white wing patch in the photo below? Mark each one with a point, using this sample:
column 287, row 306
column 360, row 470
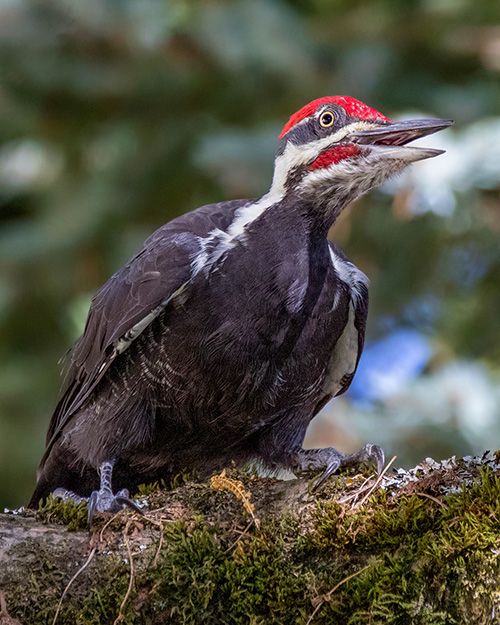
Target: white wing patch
column 345, row 354
column 221, row 241
column 121, row 344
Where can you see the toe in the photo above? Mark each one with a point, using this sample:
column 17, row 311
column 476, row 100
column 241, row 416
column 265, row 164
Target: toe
column 66, row 495
column 92, row 506
column 377, row 454
column 106, row 501
column 330, row 470
column 123, row 500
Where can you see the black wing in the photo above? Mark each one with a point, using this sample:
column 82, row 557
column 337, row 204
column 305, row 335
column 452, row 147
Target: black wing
column 131, row 299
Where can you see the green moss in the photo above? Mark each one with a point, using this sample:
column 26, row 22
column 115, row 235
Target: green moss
column 427, row 554
column 56, row 510
column 102, row 605
column 203, row 577
column 428, row 562
column 178, row 480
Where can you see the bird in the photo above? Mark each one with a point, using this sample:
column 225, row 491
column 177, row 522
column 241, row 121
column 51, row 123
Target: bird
column 231, row 328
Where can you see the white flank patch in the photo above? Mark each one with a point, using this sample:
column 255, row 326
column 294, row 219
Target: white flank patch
column 350, row 274
column 344, row 357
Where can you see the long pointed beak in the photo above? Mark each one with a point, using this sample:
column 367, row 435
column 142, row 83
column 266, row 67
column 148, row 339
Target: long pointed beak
column 391, row 141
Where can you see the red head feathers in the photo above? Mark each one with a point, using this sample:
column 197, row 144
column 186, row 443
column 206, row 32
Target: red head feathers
column 350, row 105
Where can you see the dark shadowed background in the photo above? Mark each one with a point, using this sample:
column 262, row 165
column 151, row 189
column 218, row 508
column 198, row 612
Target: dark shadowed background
column 118, row 115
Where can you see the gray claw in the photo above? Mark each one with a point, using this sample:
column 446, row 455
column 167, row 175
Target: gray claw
column 377, row 454
column 330, row 470
column 368, row 453
column 123, row 499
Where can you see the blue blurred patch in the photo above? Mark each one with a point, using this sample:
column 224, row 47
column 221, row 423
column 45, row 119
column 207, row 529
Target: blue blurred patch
column 389, row 364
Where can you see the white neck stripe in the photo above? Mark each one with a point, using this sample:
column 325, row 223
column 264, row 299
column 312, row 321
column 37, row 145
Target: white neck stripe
column 293, row 156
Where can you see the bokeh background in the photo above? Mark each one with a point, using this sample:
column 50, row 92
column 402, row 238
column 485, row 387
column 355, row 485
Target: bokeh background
column 118, row 115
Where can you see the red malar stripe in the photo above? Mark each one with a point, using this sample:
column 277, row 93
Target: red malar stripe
column 334, row 156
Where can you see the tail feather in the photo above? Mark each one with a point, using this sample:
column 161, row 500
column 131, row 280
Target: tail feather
column 42, row 491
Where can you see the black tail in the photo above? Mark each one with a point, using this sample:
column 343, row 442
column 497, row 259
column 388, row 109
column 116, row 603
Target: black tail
column 59, row 472
column 41, row 492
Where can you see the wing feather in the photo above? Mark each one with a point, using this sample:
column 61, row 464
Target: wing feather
column 130, row 300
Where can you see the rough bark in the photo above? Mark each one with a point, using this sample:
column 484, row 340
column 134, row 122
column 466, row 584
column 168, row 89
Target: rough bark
column 416, row 547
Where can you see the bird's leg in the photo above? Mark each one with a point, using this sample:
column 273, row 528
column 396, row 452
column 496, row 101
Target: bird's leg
column 102, row 500
column 280, row 445
column 330, row 459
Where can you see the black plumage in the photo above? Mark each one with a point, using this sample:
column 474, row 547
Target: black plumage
column 221, row 339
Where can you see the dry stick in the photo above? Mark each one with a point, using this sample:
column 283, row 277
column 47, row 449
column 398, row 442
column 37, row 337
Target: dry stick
column 432, row 498
column 329, row 594
column 361, row 489
column 131, row 580
column 252, row 521
column 377, row 482
column 108, row 522
column 80, row 570
column 155, row 561
column 5, row 618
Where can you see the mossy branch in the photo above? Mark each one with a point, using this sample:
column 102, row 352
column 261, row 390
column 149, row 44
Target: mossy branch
column 423, row 549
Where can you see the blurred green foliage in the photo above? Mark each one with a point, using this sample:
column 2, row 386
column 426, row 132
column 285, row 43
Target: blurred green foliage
column 118, row 115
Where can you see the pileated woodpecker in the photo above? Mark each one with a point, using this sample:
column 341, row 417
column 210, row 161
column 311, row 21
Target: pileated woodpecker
column 233, row 326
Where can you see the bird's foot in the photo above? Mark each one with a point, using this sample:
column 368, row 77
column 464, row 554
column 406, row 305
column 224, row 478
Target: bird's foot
column 331, row 460
column 102, row 500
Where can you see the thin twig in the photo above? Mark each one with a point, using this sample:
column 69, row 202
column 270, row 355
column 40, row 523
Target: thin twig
column 155, row 561
column 432, row 498
column 131, row 580
column 108, row 522
column 160, row 525
column 378, row 480
column 5, row 618
column 3, row 604
column 359, row 491
column 252, row 521
column 80, row 570
column 329, row 594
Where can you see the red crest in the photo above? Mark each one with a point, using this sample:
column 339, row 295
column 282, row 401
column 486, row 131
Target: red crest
column 350, row 105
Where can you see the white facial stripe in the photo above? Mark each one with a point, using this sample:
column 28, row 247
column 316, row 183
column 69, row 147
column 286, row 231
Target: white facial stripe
column 236, row 231
column 293, row 156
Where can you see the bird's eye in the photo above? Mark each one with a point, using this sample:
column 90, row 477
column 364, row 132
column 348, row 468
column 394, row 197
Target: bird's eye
column 326, row 119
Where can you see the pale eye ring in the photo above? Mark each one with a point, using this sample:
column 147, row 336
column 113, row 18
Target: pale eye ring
column 326, row 119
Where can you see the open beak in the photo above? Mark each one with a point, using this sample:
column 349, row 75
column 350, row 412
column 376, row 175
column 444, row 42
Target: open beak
column 391, row 141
